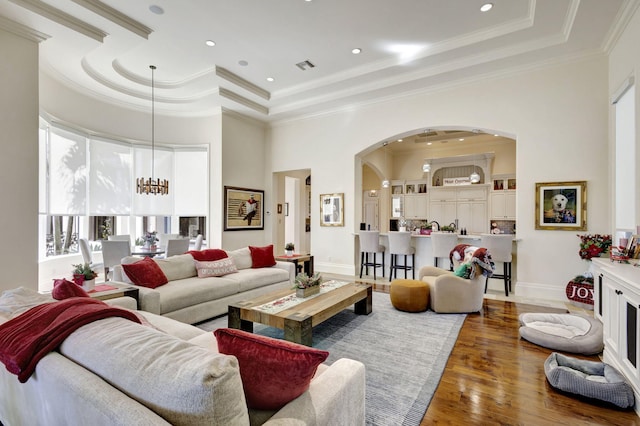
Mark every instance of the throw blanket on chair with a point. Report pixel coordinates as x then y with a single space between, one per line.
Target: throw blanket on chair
27 338
475 260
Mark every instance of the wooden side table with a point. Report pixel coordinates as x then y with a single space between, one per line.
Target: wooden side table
118 292
302 261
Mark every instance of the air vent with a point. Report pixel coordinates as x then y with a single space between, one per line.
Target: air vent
304 65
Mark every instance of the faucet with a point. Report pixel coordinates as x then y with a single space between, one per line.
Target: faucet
437 224
454 226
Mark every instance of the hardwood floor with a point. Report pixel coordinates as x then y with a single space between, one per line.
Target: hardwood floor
494 377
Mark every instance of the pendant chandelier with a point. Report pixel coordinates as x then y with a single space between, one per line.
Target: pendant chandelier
152 185
474 177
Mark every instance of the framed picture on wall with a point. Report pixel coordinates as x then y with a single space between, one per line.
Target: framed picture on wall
243 208
561 206
332 209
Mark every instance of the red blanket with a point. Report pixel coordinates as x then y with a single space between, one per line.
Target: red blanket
27 338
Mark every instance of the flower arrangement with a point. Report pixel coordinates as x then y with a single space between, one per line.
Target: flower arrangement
82 272
289 247
591 245
305 281
150 238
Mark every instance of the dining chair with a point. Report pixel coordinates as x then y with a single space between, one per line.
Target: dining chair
400 244
441 245
176 246
112 253
198 244
163 238
120 237
500 246
370 244
87 255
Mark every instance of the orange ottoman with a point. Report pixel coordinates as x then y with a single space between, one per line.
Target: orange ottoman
409 295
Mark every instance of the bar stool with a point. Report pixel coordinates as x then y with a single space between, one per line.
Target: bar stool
370 243
500 247
400 244
441 245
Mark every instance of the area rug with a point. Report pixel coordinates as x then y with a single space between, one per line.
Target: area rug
404 354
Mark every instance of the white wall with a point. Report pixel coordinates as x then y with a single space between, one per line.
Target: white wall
624 62
557 114
244 164
19 161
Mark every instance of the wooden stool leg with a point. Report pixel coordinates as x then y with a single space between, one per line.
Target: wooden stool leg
361 263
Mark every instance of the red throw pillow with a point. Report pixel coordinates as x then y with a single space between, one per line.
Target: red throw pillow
273 371
208 255
262 257
145 273
63 289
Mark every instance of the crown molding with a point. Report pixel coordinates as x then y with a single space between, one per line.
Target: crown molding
241 82
162 84
62 18
625 14
228 94
116 17
22 30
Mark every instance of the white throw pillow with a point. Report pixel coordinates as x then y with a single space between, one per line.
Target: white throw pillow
242 257
216 268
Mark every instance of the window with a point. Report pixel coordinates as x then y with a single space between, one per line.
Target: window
87 189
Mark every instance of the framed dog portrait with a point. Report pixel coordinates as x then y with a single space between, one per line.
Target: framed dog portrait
243 208
561 206
332 209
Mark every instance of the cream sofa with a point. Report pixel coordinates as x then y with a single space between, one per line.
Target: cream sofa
117 372
190 299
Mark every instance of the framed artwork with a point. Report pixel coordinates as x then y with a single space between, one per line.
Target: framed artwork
410 188
396 189
633 248
422 188
332 209
561 206
243 208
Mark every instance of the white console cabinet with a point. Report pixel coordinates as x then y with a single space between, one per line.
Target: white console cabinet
617 305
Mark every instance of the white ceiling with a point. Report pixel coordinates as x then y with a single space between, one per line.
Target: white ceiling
104 48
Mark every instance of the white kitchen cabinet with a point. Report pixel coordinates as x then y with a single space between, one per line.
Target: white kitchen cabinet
416 206
616 303
472 216
503 205
467 204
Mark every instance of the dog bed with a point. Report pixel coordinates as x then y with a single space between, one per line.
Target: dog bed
574 333
590 379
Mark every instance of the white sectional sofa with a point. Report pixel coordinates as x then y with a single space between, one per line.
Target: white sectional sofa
190 299
117 372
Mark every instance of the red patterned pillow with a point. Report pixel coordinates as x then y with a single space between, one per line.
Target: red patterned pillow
145 273
208 255
262 257
63 289
273 371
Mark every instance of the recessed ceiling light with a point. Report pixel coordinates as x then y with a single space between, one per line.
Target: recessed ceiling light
399 140
243 63
486 7
356 51
270 79
210 43
429 143
461 139
156 9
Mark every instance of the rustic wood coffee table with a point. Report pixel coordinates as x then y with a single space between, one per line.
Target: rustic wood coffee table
298 321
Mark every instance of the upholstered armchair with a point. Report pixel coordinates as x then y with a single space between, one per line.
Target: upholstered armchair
449 293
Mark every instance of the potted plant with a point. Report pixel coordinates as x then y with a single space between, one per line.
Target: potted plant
307 285
84 276
426 229
448 228
289 248
150 240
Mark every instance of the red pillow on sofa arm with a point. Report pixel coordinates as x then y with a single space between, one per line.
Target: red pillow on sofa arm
273 371
145 273
63 289
262 257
